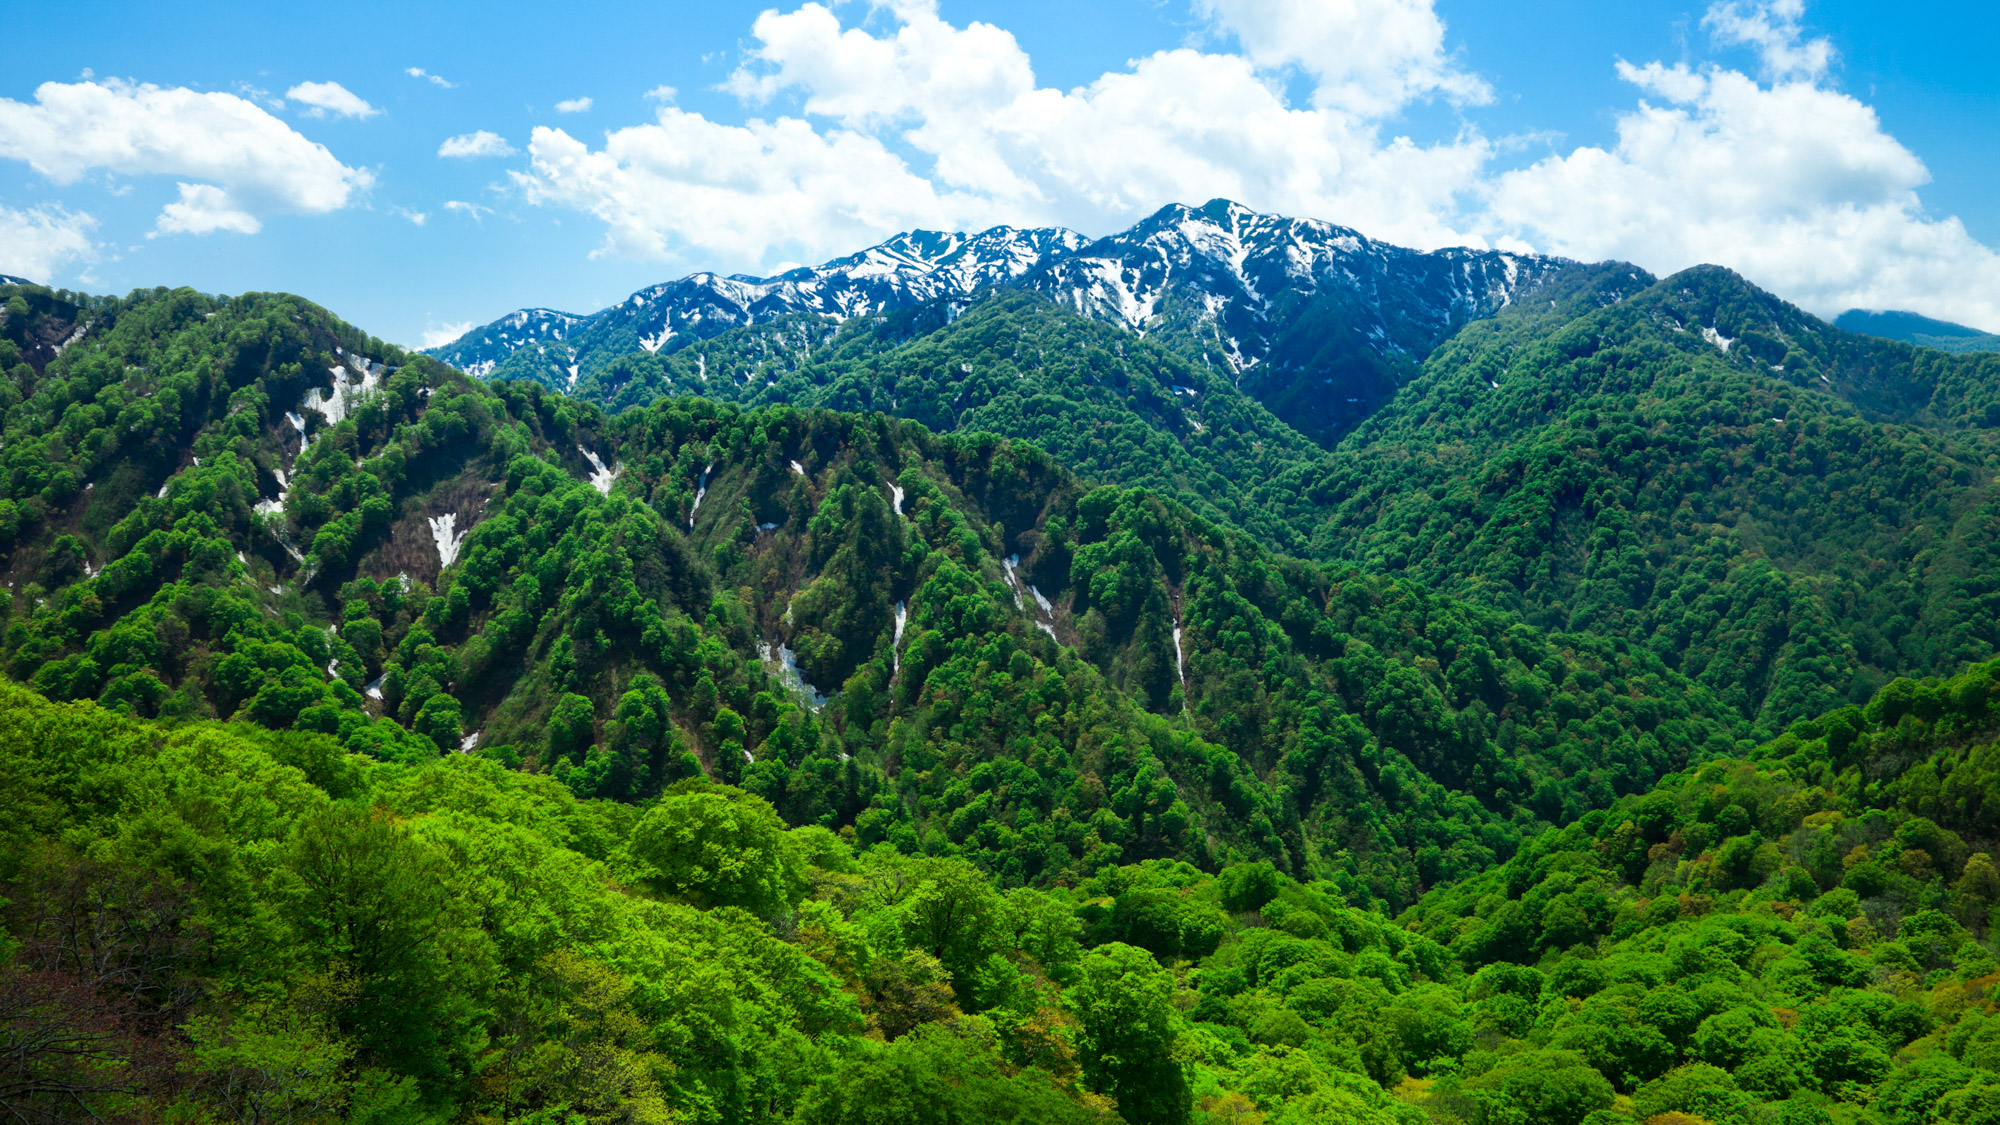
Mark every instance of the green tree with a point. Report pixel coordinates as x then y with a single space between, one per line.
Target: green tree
719 846
1127 1035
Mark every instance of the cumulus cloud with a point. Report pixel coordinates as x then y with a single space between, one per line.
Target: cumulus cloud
204 209
475 144
323 98
574 105
902 119
1795 184
39 242
1367 56
420 72
1773 28
994 146
237 160
439 337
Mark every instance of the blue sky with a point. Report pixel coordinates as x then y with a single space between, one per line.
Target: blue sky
1838 152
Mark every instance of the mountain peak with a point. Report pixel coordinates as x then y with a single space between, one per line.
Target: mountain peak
1222 274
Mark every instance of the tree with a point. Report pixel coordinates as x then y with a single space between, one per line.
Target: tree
1124 1004
720 847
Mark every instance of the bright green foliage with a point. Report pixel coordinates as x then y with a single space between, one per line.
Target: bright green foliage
1124 1003
285 931
716 847
1035 719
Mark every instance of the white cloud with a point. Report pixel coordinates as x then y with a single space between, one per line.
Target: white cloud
1367 56
1773 28
38 242
574 105
420 72
995 147
905 120
417 218
480 143
330 97
250 162
472 211
439 337
204 209
1794 184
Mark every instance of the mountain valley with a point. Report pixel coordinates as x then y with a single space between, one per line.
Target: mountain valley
1233 670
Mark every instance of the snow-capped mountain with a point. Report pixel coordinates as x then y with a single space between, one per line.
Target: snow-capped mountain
907 270
1292 306
479 351
1249 276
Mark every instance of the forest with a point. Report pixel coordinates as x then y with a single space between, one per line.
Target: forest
995 717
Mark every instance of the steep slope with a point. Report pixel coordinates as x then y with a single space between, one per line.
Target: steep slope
1315 320
1320 322
245 508
1107 404
1783 511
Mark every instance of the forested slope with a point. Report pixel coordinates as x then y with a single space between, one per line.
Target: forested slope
243 508
224 922
1784 512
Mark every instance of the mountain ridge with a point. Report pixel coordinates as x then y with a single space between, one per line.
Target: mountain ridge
1219 280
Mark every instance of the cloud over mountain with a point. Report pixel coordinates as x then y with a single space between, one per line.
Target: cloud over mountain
902 119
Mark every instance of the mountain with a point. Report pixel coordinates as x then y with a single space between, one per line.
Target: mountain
245 508
907 270
1912 328
383 744
1786 512
1324 320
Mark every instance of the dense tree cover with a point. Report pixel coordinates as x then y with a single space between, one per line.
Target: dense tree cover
946 643
1770 517
1107 404
1788 514
224 922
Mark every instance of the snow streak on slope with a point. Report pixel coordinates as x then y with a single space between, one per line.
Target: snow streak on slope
1220 269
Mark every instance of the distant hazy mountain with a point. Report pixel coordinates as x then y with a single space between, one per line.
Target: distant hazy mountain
1317 320
1912 328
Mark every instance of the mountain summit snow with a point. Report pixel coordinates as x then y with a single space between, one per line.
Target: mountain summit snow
1246 286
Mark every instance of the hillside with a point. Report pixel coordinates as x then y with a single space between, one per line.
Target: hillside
1797 513
275 926
1911 328
245 508
827 741
1785 512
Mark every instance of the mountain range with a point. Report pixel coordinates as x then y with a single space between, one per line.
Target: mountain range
1264 297
1229 671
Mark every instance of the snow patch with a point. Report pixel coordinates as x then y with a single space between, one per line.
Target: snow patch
788 674
349 391
700 490
601 478
448 539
